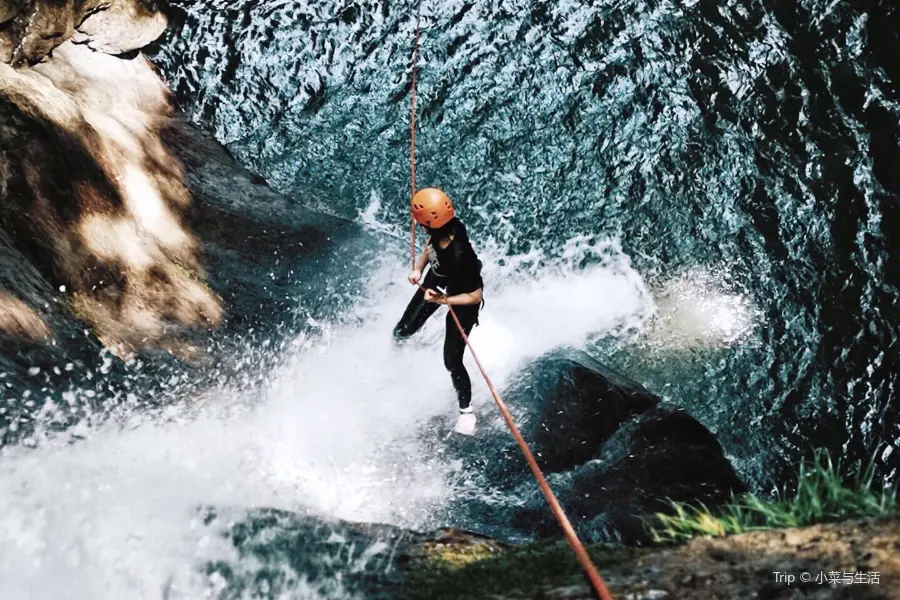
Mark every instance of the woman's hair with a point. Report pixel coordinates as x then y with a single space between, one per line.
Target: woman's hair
444 231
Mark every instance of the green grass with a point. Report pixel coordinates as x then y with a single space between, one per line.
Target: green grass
824 494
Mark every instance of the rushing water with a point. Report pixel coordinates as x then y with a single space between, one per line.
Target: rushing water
700 193
744 153
335 432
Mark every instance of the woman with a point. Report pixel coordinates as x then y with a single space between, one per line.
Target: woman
455 268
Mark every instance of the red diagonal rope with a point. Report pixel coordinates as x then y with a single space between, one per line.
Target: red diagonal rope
571 537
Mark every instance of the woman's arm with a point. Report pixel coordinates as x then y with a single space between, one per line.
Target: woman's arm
416 274
462 299
423 259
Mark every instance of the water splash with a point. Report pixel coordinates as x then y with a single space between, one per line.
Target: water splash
336 431
698 310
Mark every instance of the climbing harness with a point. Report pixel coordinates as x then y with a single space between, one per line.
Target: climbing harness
571 537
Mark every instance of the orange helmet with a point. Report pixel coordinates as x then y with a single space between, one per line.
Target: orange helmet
432 208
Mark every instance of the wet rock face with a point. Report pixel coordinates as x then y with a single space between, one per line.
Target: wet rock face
31 29
576 404
125 26
91 195
660 455
285 549
287 554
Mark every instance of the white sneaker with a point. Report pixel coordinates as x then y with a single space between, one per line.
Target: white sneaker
465 423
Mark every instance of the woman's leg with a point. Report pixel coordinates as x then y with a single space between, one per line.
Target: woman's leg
416 313
455 348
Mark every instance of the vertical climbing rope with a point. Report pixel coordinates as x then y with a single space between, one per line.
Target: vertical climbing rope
412 149
584 560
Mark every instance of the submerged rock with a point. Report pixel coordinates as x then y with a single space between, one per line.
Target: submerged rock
283 554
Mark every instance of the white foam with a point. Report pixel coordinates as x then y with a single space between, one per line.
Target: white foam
334 407
113 517
337 431
698 309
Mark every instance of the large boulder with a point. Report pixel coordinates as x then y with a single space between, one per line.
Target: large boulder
570 403
614 452
660 456
566 404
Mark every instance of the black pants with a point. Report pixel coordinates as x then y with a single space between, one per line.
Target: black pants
414 317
